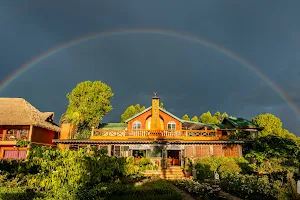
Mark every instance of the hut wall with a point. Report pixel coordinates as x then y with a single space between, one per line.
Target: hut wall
43 136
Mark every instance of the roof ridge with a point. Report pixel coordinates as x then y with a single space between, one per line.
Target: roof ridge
134 116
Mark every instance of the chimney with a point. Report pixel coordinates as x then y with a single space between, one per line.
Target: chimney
155 113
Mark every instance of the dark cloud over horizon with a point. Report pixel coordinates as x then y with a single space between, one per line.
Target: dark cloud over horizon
188 76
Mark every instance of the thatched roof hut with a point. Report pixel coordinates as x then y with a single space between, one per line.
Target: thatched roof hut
17 111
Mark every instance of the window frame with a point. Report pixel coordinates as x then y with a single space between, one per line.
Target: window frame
171 123
135 124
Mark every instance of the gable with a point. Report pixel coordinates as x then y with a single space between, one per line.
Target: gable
161 110
146 115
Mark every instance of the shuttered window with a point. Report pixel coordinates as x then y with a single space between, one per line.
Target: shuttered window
188 151
14 154
217 151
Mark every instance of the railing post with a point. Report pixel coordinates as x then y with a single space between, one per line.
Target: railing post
92 131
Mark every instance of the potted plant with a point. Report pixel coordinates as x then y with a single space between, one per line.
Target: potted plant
187 172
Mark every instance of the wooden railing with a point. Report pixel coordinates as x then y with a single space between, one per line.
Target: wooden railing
157 133
15 135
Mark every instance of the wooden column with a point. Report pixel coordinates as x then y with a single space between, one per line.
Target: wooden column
30 133
4 134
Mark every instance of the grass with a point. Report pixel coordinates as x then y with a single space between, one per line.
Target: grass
152 190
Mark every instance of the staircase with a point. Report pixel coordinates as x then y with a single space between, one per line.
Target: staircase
172 172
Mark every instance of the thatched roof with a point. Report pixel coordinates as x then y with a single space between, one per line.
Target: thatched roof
17 111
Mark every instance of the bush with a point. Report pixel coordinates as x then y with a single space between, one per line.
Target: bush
255 187
225 166
202 190
135 167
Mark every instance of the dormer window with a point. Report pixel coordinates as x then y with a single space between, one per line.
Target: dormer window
171 125
136 125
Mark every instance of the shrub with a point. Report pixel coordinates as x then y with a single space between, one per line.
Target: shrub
202 190
225 166
255 187
135 167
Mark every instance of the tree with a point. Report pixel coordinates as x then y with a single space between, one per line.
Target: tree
272 125
131 111
274 153
217 115
89 102
195 119
208 118
223 116
185 117
161 105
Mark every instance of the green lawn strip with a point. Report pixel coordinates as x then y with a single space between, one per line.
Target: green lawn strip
152 190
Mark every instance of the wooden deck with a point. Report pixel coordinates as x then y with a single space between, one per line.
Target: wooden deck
101 134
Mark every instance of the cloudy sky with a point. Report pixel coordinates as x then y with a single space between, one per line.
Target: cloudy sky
190 69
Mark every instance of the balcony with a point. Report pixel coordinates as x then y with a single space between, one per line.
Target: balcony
102 134
11 136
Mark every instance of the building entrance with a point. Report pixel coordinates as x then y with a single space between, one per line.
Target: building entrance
173 157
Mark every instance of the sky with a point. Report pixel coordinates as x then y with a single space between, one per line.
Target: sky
190 69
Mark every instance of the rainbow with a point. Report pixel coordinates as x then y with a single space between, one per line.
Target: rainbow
27 66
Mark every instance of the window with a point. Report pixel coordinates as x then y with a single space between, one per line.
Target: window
171 126
121 151
136 125
17 134
14 154
139 153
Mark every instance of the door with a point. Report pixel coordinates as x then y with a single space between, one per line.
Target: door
173 157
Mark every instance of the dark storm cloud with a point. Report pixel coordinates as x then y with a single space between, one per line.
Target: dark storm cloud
189 77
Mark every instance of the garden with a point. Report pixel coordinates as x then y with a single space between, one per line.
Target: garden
267 171
85 174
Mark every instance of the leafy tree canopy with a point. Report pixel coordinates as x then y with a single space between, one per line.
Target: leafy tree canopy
161 105
88 103
276 149
195 119
272 126
208 118
217 118
131 111
185 117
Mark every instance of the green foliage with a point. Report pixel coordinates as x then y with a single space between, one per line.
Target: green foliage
185 117
275 154
131 111
161 105
272 126
208 118
225 166
88 103
217 118
135 167
195 119
22 143
196 189
150 190
255 187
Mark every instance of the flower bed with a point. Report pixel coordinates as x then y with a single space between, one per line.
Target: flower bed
199 190
254 187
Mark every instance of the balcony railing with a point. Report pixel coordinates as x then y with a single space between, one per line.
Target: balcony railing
15 135
155 133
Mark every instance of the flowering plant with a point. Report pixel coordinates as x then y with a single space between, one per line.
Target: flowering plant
202 190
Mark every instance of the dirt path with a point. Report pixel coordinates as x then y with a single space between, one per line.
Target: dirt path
228 196
185 196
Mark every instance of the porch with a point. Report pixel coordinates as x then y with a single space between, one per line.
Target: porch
104 134
11 134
